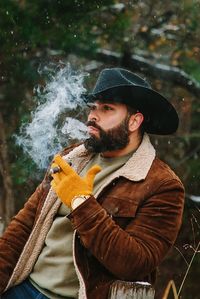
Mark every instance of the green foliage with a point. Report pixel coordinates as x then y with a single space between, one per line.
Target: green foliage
22 168
54 24
192 67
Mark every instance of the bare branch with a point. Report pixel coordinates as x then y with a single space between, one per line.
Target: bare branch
145 66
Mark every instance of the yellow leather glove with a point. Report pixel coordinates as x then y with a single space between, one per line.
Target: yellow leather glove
67 183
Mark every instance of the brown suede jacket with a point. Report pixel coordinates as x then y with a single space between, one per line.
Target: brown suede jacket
121 233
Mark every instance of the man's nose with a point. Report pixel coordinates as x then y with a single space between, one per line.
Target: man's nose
93 115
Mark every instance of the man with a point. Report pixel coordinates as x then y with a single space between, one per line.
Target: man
123 205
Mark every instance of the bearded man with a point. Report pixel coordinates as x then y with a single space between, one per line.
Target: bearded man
112 210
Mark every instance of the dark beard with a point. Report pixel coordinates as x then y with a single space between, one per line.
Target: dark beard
111 140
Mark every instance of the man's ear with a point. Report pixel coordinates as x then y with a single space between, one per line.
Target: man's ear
135 121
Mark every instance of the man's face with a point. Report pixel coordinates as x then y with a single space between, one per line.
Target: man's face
107 127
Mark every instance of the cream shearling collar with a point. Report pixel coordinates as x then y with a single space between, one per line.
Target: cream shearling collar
135 169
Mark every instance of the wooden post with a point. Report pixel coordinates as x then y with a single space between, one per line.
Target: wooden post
131 290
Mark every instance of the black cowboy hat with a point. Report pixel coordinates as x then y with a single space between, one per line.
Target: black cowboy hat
121 85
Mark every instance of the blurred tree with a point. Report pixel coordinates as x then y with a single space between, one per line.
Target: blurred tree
32 32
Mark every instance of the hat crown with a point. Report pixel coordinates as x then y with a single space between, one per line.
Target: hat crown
115 77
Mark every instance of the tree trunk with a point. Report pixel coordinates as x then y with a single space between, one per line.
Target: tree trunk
7 208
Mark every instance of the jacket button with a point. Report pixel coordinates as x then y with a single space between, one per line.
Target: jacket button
116 209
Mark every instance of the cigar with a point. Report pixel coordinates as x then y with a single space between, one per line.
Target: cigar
54 170
57 169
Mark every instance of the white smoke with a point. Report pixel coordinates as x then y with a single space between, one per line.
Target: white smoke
56 121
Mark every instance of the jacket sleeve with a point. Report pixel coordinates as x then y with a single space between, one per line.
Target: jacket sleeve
14 238
18 231
133 252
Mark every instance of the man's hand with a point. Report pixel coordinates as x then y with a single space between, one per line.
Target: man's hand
67 183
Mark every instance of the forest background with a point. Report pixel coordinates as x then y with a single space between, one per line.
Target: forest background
158 40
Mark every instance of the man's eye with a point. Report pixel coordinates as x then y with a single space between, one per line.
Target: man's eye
107 107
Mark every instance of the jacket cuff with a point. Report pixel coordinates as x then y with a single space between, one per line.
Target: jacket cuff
85 211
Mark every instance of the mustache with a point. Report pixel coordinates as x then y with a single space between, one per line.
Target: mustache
93 124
